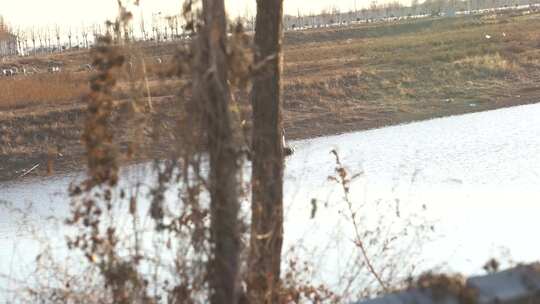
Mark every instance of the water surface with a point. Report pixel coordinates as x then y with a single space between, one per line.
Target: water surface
471 181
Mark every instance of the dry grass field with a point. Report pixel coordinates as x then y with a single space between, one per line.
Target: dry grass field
40 89
414 70
336 80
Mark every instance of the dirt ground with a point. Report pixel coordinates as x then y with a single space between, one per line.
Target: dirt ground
63 128
336 81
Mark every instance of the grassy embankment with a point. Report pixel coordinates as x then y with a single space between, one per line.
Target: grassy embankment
383 74
336 80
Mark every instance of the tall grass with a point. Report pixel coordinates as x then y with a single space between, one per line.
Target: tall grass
42 89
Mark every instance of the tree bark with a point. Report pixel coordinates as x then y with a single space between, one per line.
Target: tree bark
224 167
268 164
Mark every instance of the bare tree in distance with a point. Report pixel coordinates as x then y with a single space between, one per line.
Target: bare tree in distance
48 37
84 34
57 34
165 33
41 38
70 35
77 37
21 38
96 32
142 27
33 38
170 24
177 26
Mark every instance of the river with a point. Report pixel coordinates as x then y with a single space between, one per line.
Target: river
447 194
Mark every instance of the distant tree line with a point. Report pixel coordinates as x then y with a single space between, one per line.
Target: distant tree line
394 10
36 40
164 28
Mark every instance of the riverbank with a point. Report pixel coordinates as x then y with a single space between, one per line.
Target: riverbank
53 144
336 80
465 186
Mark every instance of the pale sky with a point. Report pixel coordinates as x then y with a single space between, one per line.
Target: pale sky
78 12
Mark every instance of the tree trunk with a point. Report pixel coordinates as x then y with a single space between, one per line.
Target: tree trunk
224 167
267 147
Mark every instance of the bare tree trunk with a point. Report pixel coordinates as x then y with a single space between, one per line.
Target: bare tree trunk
224 167
267 175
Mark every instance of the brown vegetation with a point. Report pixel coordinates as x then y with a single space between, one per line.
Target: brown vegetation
42 90
204 124
335 80
93 200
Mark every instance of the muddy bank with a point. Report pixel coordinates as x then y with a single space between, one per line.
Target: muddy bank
50 138
335 81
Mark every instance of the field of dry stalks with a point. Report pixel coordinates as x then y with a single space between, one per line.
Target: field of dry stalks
336 80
